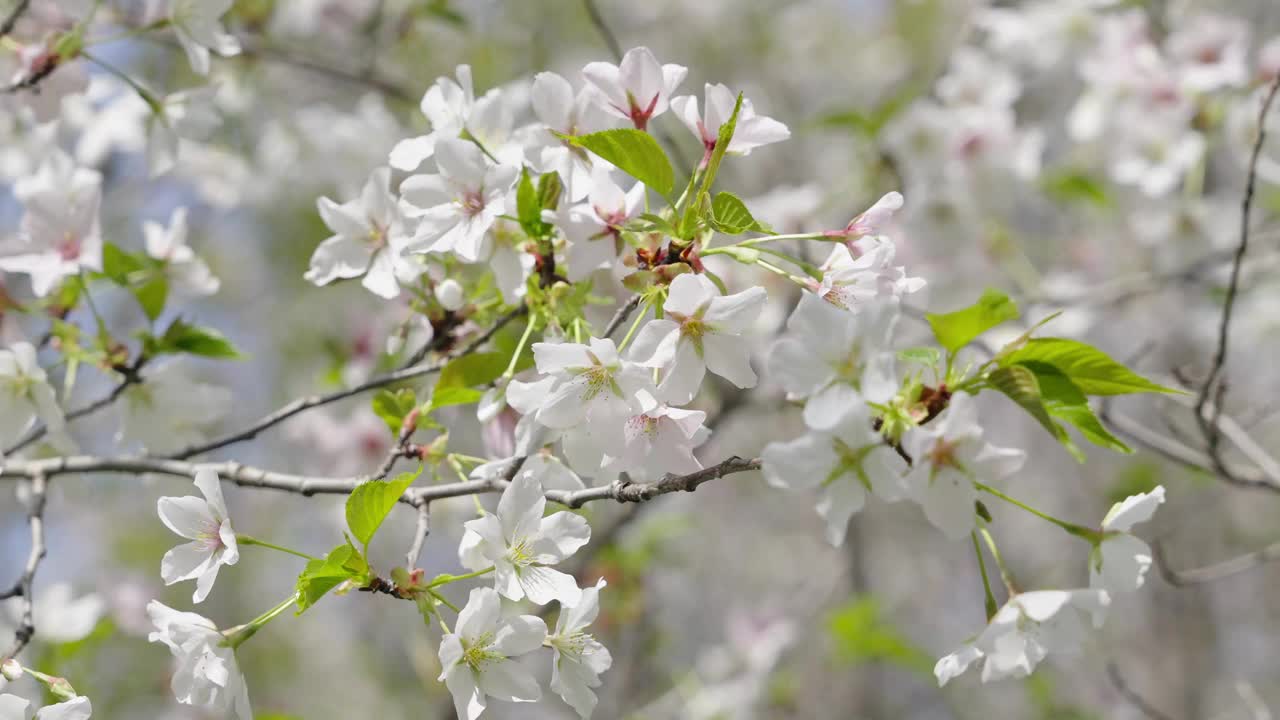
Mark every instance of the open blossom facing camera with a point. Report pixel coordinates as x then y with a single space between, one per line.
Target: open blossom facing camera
702 331
521 545
750 132
60 234
207 525
578 659
25 394
1023 632
844 463
1120 561
950 456
187 274
593 230
369 239
456 208
660 441
638 89
13 707
478 656
207 675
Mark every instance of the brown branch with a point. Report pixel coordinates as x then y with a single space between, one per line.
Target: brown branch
419 534
1212 389
11 20
1217 571
624 491
1117 681
306 403
621 316
22 588
132 376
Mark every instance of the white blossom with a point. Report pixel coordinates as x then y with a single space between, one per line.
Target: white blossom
207 525
187 114
561 111
949 456
199 29
522 545
187 274
638 89
702 330
60 233
851 280
750 132
593 230
168 409
61 617
477 655
25 394
207 675
13 707
1120 561
660 441
369 239
457 207
577 657
1023 632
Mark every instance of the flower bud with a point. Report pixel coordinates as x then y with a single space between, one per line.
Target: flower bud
61 689
450 295
11 669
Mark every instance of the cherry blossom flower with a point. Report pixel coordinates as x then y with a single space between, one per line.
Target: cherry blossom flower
702 331
188 275
477 656
550 472
578 658
13 707
207 674
593 230
1210 52
1155 155
561 111
207 525
750 132
950 456
62 618
199 30
187 114
457 207
638 89
845 463
1119 563
25 394
592 385
1023 632
522 545
871 221
168 409
369 239
60 232
660 441
852 280
835 358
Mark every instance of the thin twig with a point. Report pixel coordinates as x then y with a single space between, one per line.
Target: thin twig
602 27
1117 680
306 403
419 534
1217 571
1213 388
23 587
621 316
628 492
11 20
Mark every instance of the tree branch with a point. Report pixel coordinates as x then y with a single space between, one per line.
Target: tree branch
132 376
306 403
621 315
1117 681
22 588
1217 571
11 20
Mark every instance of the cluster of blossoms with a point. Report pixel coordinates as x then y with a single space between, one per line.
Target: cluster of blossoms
530 199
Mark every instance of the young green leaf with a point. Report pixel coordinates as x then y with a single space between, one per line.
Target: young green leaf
392 407
730 216
324 574
473 370
182 337
117 264
633 152
152 295
744 255
927 356
1019 384
1065 401
529 207
371 502
1090 369
956 329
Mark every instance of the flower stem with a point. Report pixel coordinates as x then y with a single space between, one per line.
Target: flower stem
772 238
237 636
989 600
802 282
634 326
515 356
1005 577
1089 534
455 578
246 540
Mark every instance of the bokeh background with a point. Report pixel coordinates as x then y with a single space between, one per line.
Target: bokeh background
726 603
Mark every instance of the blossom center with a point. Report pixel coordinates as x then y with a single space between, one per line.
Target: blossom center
477 654
472 202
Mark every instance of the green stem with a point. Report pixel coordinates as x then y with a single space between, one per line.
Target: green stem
246 540
237 636
515 356
455 578
989 600
1005 577
802 282
634 326
810 269
147 96
752 242
1087 533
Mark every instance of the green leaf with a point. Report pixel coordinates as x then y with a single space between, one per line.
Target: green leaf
863 635
392 407
1065 401
956 329
634 152
656 222
550 187
371 502
182 337
324 574
473 370
924 355
152 294
731 216
744 255
529 207
1019 384
700 203
1071 186
117 264
1092 370
444 397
